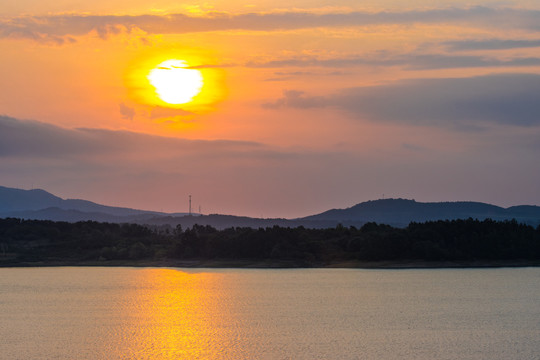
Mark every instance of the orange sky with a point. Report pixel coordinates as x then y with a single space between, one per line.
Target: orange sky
307 106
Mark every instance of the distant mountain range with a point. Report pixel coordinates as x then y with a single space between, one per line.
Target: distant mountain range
401 211
41 205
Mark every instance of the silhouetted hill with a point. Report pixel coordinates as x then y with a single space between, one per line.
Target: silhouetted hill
400 212
72 215
525 210
18 200
227 221
41 205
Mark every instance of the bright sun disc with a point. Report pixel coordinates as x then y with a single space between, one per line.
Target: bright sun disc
174 83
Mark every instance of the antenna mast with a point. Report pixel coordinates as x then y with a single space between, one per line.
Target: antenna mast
189 205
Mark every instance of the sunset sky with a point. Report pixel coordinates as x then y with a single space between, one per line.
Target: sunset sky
304 105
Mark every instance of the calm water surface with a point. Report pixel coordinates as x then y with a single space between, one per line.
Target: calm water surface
130 313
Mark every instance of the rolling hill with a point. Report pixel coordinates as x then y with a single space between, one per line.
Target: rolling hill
42 205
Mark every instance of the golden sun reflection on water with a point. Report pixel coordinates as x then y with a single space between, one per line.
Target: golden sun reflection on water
174 315
143 313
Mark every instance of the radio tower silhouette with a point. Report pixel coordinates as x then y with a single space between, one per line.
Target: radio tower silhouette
189 205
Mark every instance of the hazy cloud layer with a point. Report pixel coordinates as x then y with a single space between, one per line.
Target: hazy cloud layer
27 138
408 61
510 99
490 44
155 172
32 138
129 168
61 28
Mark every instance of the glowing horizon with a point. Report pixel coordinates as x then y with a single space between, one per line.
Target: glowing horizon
303 106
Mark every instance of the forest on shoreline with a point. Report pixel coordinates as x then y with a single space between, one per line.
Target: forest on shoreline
27 242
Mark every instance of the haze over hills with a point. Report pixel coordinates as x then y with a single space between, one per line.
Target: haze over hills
401 211
42 205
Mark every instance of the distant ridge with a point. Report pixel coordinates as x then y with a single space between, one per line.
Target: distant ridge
402 211
18 199
41 205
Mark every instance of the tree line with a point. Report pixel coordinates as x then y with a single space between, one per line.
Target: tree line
27 241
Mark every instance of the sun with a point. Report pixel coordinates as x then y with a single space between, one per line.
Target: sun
188 80
174 83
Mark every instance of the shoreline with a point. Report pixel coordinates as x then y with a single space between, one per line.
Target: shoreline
280 264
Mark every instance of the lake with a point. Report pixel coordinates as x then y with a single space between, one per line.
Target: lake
158 313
